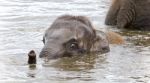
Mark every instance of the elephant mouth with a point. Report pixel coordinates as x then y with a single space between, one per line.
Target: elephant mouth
105 50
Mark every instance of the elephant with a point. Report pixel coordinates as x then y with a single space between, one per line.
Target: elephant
129 14
73 36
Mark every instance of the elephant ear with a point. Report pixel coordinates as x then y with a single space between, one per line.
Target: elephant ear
100 41
111 17
126 14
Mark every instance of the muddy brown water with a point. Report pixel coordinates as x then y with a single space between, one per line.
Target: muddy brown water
22 24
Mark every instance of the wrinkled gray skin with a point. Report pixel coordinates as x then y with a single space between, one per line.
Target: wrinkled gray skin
72 36
129 14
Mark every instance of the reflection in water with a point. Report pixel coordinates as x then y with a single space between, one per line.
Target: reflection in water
32 69
22 24
77 67
76 63
139 38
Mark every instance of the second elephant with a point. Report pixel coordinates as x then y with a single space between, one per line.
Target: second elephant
129 14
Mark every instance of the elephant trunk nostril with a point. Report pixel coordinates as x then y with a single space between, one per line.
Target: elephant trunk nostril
82 51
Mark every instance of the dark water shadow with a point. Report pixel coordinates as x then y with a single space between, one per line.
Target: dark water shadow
135 37
138 38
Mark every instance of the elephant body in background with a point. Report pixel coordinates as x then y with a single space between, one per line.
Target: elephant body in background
129 14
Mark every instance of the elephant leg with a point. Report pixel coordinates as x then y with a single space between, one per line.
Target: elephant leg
126 14
111 17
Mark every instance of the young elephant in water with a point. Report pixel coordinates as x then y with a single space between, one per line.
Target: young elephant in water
130 14
72 35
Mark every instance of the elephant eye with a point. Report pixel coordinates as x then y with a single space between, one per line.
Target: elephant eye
73 46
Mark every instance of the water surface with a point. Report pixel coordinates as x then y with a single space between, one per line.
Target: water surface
22 25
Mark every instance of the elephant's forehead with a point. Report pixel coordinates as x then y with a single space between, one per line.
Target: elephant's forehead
64 34
60 33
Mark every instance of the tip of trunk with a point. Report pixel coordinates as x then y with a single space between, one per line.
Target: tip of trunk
32 57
